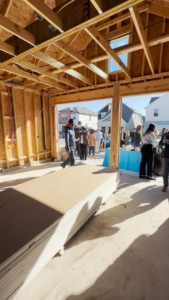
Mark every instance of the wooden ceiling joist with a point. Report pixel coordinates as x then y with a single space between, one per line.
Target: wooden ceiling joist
99 39
7 48
35 68
44 11
57 64
140 30
17 30
98 5
77 56
33 77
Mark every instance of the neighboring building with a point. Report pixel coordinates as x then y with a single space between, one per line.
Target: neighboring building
157 112
86 116
130 118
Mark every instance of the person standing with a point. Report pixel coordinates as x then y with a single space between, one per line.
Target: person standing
92 143
138 136
165 142
127 138
98 139
122 137
69 144
1 171
79 125
132 135
83 140
149 141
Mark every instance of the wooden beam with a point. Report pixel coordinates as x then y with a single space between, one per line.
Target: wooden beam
113 11
17 30
98 5
9 77
149 87
24 74
44 11
99 39
57 64
161 11
115 127
77 56
119 32
7 48
140 30
40 70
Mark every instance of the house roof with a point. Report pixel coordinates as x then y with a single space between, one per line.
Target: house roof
84 111
153 99
126 114
67 108
80 110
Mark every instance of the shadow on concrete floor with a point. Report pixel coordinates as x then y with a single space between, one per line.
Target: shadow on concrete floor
8 184
140 273
32 168
108 219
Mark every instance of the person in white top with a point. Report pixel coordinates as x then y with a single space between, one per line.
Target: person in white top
149 142
99 136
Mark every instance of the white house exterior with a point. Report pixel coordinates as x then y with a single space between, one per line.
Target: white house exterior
86 116
130 118
157 112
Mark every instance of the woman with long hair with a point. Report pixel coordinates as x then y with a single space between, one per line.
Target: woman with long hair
149 141
138 136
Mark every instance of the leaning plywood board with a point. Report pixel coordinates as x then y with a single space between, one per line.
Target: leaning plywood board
40 216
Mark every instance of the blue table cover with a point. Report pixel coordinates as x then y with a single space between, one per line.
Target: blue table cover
129 160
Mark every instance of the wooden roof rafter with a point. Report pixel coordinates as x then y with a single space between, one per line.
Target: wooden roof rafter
34 68
99 39
33 77
57 64
98 5
139 27
77 56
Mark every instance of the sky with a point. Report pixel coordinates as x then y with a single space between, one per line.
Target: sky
137 103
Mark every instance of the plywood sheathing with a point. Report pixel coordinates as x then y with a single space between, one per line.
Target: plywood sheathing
18 102
165 60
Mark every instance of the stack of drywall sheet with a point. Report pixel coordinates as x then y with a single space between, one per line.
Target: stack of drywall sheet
38 217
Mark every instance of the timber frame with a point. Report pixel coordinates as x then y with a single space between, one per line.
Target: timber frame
67 57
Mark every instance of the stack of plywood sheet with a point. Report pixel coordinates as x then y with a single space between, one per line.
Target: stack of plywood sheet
38 217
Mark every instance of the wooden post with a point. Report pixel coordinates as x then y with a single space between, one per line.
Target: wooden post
115 128
56 141
36 127
51 116
27 126
4 129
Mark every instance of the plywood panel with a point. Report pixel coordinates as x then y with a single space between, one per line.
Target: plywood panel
47 122
39 123
29 111
18 100
165 60
2 138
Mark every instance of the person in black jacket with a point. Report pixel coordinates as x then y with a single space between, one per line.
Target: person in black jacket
69 144
122 137
165 142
